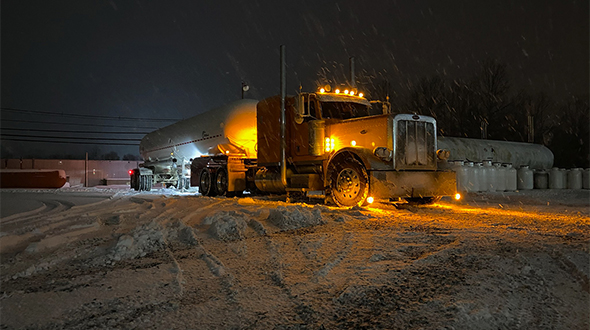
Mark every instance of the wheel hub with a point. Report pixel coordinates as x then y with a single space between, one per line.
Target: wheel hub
348 183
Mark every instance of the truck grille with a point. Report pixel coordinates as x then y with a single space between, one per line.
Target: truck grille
415 142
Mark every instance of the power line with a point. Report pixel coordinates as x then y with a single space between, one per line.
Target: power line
65 131
74 142
75 124
84 116
60 137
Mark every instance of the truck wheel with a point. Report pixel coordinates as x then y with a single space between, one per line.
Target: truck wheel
145 183
422 200
221 182
148 183
134 181
348 183
206 183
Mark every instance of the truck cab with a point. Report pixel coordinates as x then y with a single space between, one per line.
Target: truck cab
335 146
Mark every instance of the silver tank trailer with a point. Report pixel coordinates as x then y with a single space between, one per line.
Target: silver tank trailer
230 128
518 153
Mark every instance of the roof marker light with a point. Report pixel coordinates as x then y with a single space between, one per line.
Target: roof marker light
360 94
337 91
351 93
346 91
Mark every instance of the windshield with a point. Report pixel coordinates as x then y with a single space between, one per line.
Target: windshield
343 110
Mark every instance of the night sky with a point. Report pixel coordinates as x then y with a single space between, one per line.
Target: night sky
175 59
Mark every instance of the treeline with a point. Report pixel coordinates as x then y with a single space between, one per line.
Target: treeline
486 106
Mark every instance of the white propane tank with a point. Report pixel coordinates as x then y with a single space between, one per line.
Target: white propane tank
481 178
525 178
586 179
510 177
556 179
473 180
461 174
490 174
541 179
574 178
500 177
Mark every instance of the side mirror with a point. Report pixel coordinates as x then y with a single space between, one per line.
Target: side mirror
299 109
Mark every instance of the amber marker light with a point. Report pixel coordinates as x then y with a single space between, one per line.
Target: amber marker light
361 94
457 196
346 91
337 91
370 200
322 90
353 143
351 93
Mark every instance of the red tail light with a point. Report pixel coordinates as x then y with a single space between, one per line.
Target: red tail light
130 172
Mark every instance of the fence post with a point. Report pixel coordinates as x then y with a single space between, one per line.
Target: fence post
86 171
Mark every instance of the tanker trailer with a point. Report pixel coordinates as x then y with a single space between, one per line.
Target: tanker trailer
169 151
518 153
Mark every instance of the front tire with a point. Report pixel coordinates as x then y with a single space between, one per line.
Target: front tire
348 182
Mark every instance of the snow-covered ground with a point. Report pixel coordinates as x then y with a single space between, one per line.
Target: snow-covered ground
114 258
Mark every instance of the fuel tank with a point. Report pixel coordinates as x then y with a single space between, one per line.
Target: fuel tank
518 153
231 127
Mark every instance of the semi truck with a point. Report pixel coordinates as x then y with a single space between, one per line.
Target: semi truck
322 144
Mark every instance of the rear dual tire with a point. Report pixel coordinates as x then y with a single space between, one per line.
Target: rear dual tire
213 182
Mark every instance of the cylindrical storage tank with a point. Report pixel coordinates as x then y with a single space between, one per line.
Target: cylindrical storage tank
574 178
473 180
500 177
462 175
490 173
586 178
541 179
556 179
233 125
525 178
481 178
510 177
516 153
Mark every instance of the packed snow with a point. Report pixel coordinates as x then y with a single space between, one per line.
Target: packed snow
173 259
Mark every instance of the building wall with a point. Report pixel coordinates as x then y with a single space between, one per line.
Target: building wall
98 170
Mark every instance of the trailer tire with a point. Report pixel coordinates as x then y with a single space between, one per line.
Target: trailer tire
348 182
134 181
206 187
141 183
145 183
221 182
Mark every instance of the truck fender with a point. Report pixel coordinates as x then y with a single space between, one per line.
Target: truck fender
365 156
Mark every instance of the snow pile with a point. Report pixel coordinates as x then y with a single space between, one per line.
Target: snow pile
152 237
143 240
227 225
294 217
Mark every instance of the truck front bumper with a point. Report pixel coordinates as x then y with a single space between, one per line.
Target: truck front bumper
393 184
